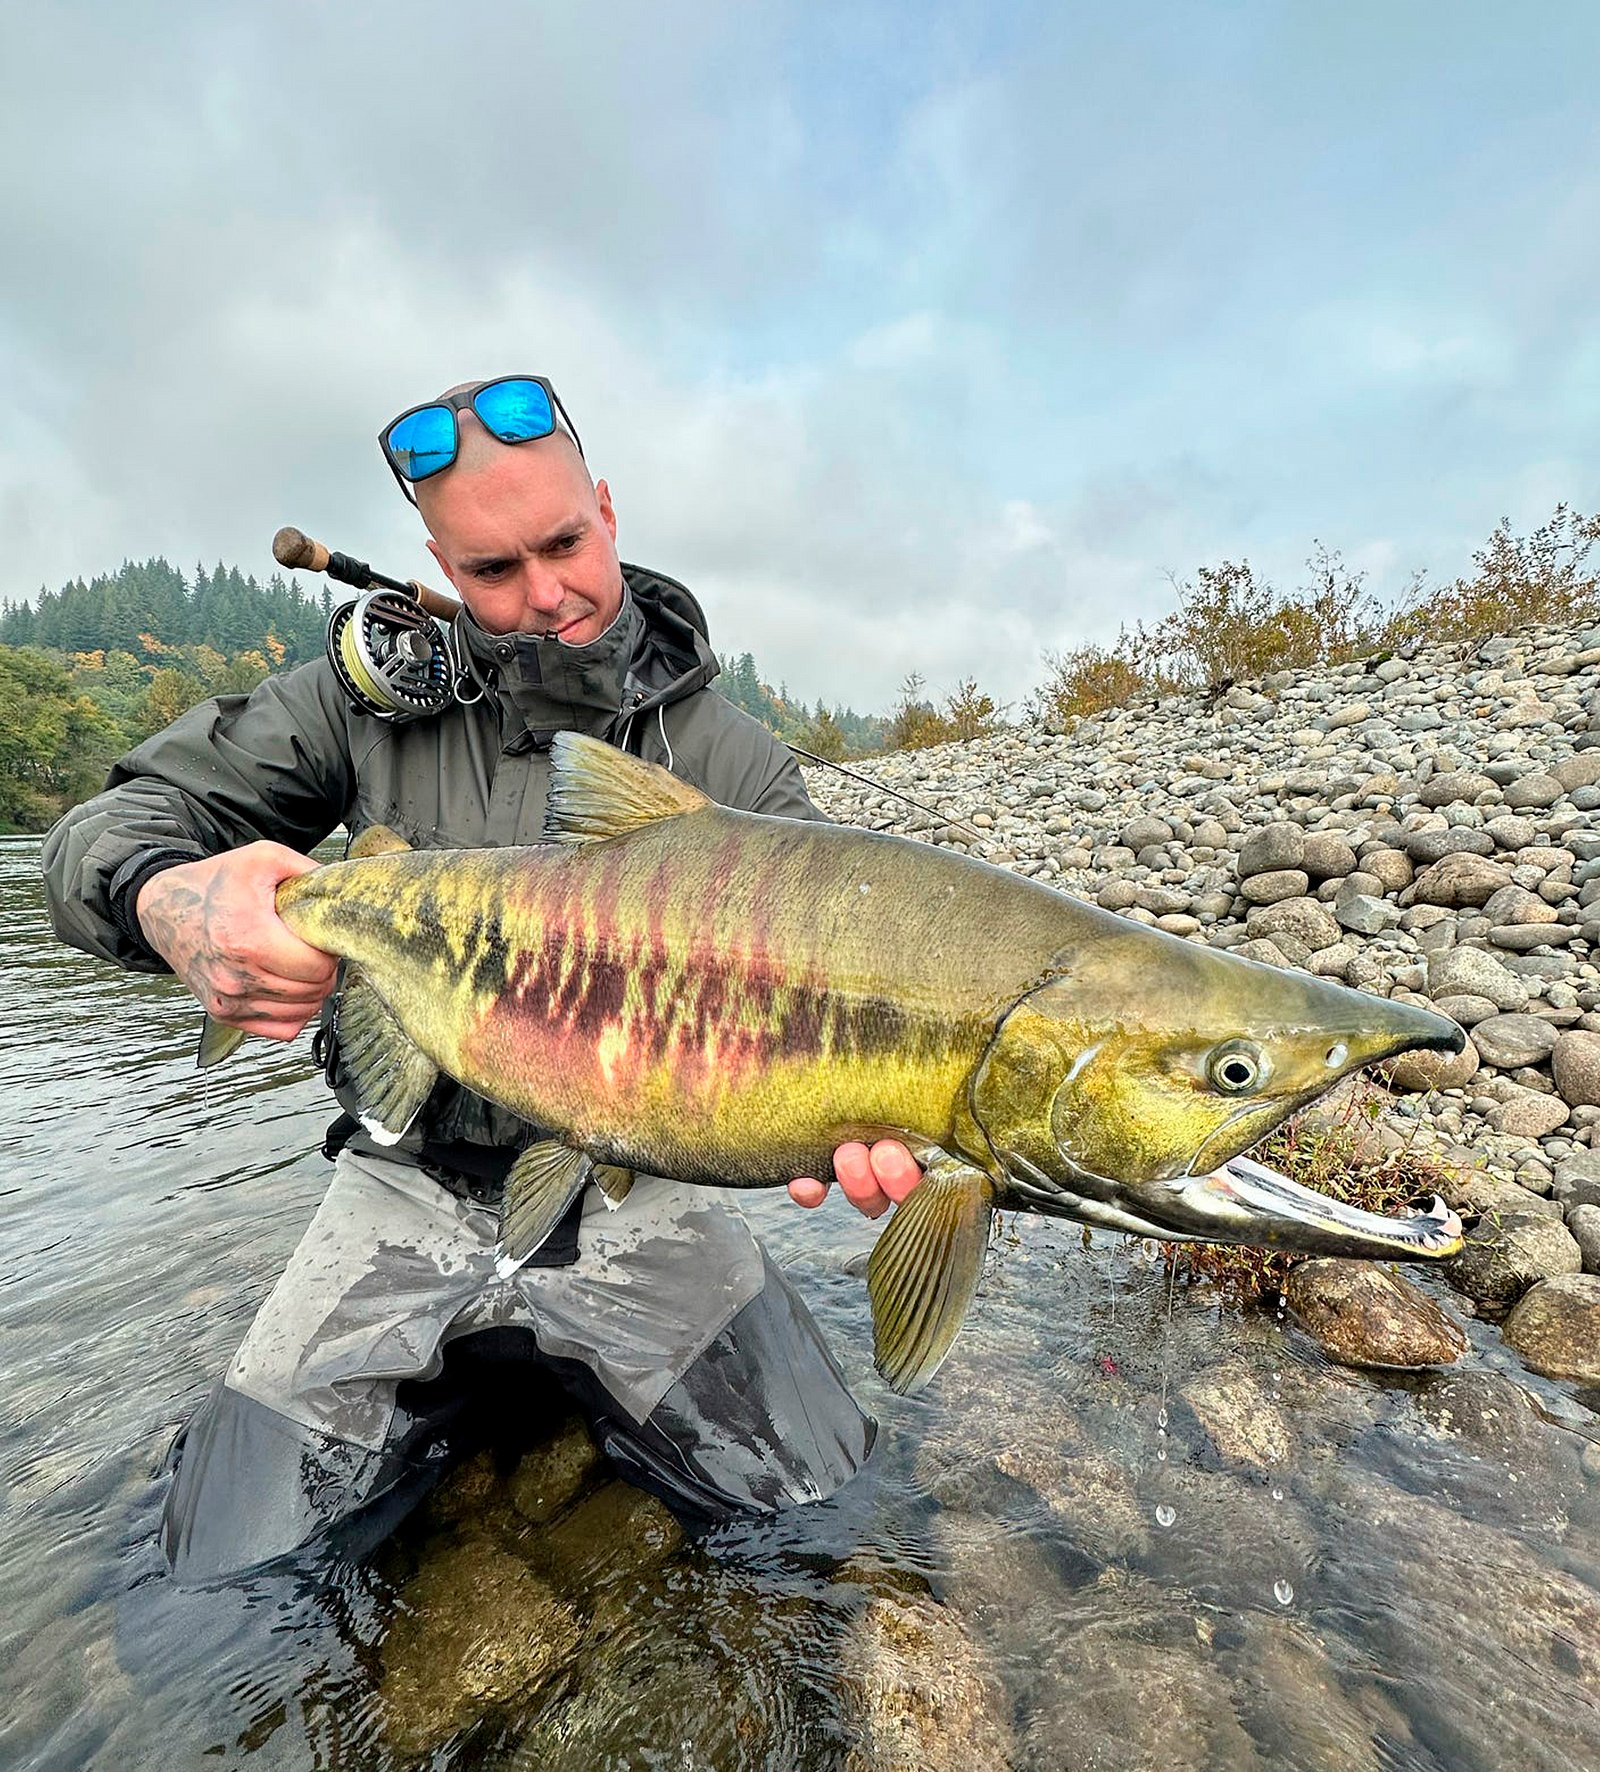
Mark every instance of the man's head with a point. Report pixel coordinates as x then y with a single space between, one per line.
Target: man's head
524 535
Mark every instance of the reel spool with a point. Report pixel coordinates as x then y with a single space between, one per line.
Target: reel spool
391 657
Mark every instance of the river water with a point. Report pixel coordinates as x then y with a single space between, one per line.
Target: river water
1127 1526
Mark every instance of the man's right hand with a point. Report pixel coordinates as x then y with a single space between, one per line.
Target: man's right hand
216 924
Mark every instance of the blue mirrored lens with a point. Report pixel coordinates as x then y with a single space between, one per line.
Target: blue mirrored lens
424 442
514 411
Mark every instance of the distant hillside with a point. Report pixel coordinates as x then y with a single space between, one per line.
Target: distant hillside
89 670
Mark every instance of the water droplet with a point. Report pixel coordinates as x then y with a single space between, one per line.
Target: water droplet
1282 1592
1165 1515
1161 1453
1277 1495
865 887
1161 1418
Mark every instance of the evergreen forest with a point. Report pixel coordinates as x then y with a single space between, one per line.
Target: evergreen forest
89 670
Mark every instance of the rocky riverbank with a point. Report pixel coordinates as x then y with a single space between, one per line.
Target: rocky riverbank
1423 826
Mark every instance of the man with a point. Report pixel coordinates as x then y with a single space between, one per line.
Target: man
700 1370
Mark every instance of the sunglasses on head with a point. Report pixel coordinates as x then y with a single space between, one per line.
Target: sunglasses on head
425 440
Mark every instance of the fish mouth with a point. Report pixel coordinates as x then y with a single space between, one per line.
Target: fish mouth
1245 1202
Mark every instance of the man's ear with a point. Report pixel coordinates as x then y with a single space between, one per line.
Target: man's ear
444 564
602 497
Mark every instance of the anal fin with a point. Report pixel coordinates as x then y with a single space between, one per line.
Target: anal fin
542 1184
392 1077
217 1042
924 1270
614 1184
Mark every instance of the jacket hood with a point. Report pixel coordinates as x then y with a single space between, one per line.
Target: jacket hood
656 651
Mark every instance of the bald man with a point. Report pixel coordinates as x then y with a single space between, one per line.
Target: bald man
699 1368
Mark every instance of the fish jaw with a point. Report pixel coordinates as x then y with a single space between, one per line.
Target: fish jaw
1244 1202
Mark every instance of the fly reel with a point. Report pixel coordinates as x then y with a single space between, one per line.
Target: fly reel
391 657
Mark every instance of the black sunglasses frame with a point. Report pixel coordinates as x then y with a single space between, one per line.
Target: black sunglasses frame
461 401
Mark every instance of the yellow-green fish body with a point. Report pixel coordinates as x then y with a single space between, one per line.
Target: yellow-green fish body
686 990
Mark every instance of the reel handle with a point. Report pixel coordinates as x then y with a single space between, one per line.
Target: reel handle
296 550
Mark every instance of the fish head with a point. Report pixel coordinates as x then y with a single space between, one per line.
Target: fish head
1118 1090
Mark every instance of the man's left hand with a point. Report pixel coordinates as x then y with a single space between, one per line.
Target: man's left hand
873 1179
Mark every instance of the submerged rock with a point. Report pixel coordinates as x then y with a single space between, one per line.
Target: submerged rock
1556 1327
922 1694
1242 1420
1361 1314
476 1632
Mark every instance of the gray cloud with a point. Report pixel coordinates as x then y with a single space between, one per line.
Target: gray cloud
912 338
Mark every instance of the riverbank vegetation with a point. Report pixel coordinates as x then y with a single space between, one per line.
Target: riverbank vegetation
89 670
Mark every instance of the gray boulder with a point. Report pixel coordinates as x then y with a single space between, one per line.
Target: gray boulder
1508 1041
1507 1253
1555 1327
1575 1065
1272 849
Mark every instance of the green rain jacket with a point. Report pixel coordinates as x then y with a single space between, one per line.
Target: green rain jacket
293 760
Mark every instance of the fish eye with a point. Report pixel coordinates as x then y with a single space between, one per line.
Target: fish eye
1236 1068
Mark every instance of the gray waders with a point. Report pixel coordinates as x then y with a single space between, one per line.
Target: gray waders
700 1369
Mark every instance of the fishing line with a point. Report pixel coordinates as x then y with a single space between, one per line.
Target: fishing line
956 824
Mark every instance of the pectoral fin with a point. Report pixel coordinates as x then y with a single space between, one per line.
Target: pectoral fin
924 1271
217 1042
392 1077
542 1184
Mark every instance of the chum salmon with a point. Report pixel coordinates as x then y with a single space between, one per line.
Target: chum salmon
670 987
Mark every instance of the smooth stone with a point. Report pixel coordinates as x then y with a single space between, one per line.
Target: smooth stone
1459 880
1575 1065
1584 1224
1555 1327
1426 847
1390 867
1521 938
1466 1010
1507 1041
1515 904
1509 832
1140 833
1509 1252
1451 785
1275 886
1272 849
1475 973
1420 1073
1327 856
1243 1421
1581 770
1528 1114
1361 1314
1365 915
1302 919
1533 793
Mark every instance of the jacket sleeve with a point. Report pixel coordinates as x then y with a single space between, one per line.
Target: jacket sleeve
734 758
275 765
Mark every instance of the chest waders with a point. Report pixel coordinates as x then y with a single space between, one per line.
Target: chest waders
697 1365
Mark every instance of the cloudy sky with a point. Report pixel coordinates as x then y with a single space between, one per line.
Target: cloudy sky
912 336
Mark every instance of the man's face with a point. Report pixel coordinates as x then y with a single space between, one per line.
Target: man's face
528 541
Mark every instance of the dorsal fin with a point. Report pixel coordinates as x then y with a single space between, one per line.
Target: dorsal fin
376 839
597 791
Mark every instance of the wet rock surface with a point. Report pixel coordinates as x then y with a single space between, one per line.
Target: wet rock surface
1362 1314
1556 1327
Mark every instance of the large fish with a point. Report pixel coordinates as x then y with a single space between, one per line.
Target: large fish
679 989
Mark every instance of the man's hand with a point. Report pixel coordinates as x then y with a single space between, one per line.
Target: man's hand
216 924
872 1179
